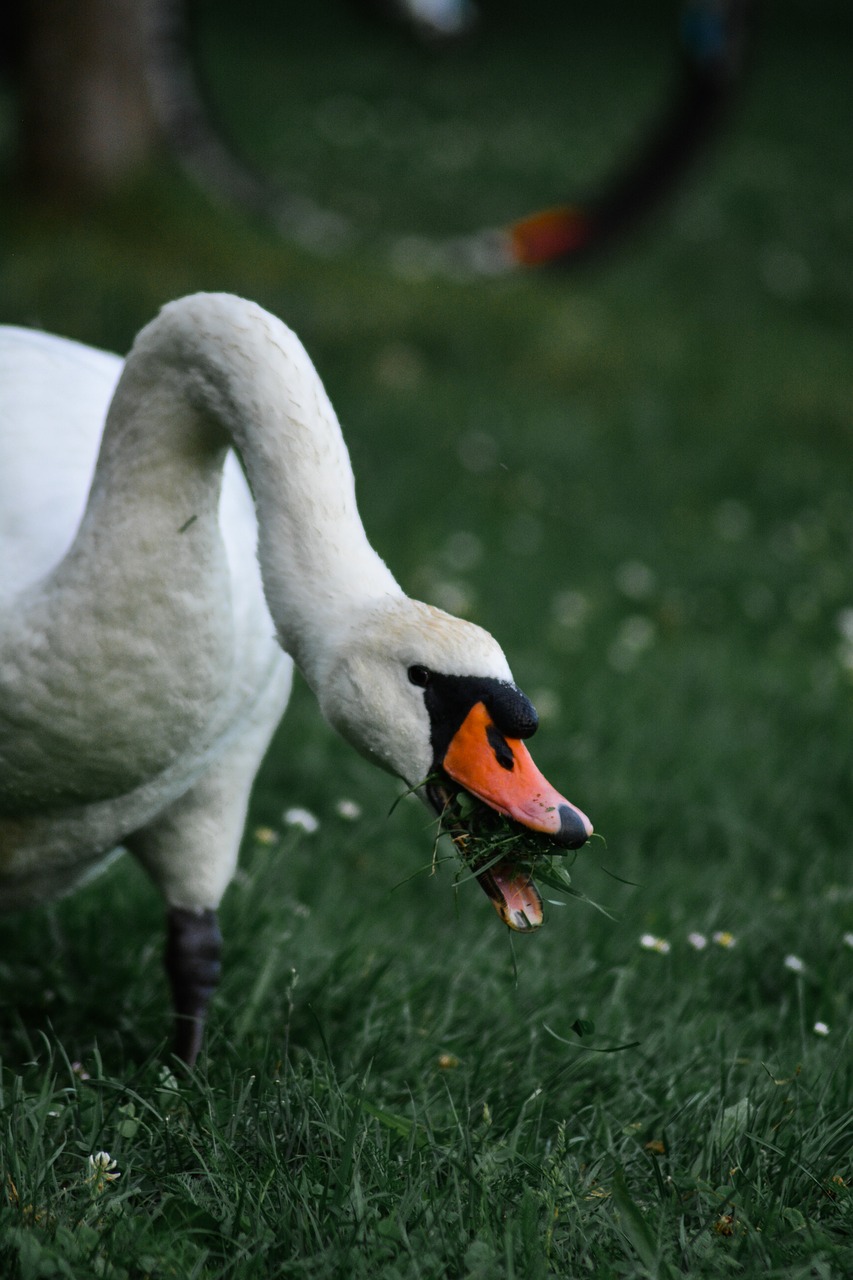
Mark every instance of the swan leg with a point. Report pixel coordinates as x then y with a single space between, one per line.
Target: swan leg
193 965
190 851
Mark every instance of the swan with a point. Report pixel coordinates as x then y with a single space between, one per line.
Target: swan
155 594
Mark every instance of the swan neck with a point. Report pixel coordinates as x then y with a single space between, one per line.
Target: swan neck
247 379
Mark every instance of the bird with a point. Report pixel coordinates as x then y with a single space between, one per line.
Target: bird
177 530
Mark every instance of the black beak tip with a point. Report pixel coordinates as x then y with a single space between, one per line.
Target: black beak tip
573 832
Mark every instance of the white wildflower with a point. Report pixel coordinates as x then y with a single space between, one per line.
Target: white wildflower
821 1029
725 939
698 941
795 964
651 943
166 1079
301 818
102 1169
348 809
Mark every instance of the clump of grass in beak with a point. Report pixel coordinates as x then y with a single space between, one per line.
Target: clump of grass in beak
503 856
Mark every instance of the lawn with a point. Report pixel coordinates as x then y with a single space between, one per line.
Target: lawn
639 475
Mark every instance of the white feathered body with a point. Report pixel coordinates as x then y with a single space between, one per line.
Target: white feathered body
127 670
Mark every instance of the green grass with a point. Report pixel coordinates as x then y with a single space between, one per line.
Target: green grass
639 476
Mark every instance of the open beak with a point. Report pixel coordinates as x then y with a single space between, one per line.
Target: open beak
500 771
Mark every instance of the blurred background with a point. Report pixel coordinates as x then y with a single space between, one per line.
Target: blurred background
635 469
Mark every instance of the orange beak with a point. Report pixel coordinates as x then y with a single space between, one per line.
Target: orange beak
501 772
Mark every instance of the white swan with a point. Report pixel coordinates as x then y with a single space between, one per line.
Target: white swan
144 640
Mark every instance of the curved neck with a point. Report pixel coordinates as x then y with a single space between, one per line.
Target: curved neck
212 371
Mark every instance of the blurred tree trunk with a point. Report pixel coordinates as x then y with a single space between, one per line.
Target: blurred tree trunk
86 116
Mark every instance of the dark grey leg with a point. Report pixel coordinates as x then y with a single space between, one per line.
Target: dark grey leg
193 951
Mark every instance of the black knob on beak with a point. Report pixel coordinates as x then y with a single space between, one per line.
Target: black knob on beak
573 832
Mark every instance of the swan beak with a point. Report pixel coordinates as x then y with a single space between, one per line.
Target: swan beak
501 772
514 896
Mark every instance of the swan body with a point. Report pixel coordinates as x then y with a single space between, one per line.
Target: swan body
120 687
153 601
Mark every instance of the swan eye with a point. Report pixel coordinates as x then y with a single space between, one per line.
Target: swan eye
419 676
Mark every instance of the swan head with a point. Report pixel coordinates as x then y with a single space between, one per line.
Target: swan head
431 698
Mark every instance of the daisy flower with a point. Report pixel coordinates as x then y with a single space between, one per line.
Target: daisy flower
303 818
650 943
